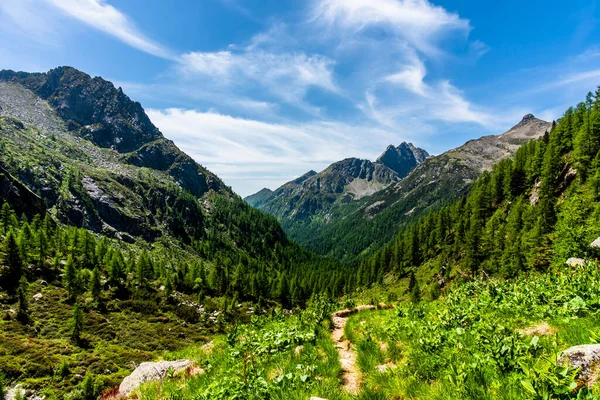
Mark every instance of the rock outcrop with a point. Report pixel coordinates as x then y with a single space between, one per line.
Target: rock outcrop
586 358
149 371
575 262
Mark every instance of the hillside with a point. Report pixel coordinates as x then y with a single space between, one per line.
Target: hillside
112 225
364 226
313 197
496 297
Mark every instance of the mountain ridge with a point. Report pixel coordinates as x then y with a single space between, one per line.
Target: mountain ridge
346 180
352 229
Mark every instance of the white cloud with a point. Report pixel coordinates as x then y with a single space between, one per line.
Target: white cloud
104 17
411 77
248 154
418 22
287 76
582 76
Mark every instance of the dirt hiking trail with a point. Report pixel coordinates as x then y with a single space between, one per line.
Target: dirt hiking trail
351 374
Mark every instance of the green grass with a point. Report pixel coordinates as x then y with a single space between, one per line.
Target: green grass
118 339
469 345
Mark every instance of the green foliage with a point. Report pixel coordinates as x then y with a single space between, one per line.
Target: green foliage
2 386
22 296
13 261
528 212
273 357
478 341
76 323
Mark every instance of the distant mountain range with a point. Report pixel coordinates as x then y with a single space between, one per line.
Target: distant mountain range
355 206
314 194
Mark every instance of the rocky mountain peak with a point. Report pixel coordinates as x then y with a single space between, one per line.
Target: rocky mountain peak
528 117
91 107
403 158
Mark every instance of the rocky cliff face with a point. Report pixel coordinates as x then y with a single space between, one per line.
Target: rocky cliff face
78 143
314 194
93 109
402 159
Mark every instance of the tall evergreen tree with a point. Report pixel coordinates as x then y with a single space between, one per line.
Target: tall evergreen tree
22 293
12 260
77 324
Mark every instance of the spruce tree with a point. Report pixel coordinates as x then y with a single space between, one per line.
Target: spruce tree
12 260
77 324
70 279
22 293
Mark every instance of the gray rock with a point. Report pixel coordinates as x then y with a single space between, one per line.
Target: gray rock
586 357
595 244
37 297
149 371
575 262
14 392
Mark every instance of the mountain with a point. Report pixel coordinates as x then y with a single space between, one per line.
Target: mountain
402 159
359 227
258 198
82 150
314 195
111 226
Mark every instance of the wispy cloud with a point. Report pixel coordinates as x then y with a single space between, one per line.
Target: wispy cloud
238 148
287 76
418 22
41 20
106 18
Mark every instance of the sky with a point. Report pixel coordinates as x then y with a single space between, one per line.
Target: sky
262 91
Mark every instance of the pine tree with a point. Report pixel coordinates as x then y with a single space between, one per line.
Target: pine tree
144 271
168 285
12 259
22 293
116 268
25 240
77 324
70 279
42 247
96 288
413 288
283 291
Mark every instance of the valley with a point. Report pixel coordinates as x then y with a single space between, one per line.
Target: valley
470 274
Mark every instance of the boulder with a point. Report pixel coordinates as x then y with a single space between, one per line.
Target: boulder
595 244
149 371
575 262
586 357
37 297
15 392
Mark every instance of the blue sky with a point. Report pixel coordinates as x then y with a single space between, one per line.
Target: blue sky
261 91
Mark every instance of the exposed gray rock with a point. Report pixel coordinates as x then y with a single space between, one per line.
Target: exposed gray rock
595 244
149 371
15 392
586 357
575 262
37 296
19 392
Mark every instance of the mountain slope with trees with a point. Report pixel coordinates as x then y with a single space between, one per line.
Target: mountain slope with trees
358 229
312 199
121 234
